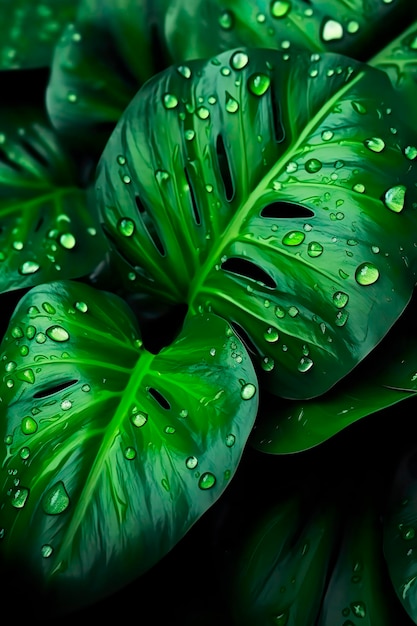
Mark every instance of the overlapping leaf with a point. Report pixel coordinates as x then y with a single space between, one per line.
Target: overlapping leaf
278 192
111 453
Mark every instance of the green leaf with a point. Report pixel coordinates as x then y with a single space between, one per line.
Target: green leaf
30 30
400 533
276 192
384 378
48 228
111 453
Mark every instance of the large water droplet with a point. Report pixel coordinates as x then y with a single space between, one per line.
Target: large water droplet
293 238
305 364
126 227
366 274
169 101
207 480
258 84
394 198
67 241
280 8
129 453
239 60
376 144
29 267
248 391
226 20
66 405
313 165
331 30
314 249
191 462
57 333
138 418
271 335
20 497
28 425
56 499
203 113
340 299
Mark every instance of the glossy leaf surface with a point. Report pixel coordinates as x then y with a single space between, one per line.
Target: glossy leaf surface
383 379
299 228
111 453
48 229
30 29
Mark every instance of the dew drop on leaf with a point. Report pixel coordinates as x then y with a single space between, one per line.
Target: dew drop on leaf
230 440
280 8
16 332
46 551
293 238
359 188
366 274
126 227
352 27
375 144
203 113
24 453
121 159
359 107
27 376
410 152
340 299
40 338
394 198
57 333
314 249
258 84
29 267
169 101
169 430
67 241
138 418
293 311
20 497
207 481
81 306
271 335
358 609
281 619
232 105
313 165
184 70
129 453
248 391
267 364
10 366
305 364
66 405
226 20
331 30
191 462
28 425
126 179
327 135
56 499
189 134
279 312
341 318
239 60
407 533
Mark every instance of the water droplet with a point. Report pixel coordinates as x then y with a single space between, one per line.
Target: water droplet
291 167
10 366
56 499
267 364
40 338
408 533
343 274
239 60
191 462
29 267
226 20
293 238
359 188
86 388
271 335
340 299
394 198
280 8
129 453
313 165
48 308
327 135
126 227
281 619
81 306
376 144
232 105
331 30
341 318
46 551
169 430
126 179
184 70
248 391
366 274
184 413
16 332
258 84
10 383
72 97
230 440
410 152
8 440
66 405
359 107
352 27
212 351
18 245
20 497
203 113
67 241
279 312
57 333
189 134
305 364
169 101
314 249
28 425
27 376
225 71
121 159
313 73
293 311
358 609
207 480
138 418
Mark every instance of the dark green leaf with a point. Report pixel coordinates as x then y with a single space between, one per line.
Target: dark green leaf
111 452
29 31
275 191
48 230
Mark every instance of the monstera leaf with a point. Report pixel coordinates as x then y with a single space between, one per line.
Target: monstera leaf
30 29
111 452
116 45
48 228
376 384
277 192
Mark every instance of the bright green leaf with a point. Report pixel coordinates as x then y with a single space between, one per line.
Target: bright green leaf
48 228
29 31
111 453
276 192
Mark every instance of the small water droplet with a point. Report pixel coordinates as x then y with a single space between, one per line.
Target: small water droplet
191 462
305 364
359 188
29 267
341 318
314 249
40 338
129 453
169 101
212 351
66 405
232 105
248 391
352 27
57 333
184 413
10 366
81 306
258 84
291 167
16 332
20 497
267 364
226 20
410 152
239 60
126 227
67 241
394 198
340 299
138 418
46 551
86 388
359 107
72 97
331 30
293 311
279 312
207 481
27 376
280 8
376 144
313 165
126 179
230 440
293 238
56 499
184 70
327 135
28 425
281 619
121 159
358 609
271 335
169 430
189 134
203 113
407 533
366 274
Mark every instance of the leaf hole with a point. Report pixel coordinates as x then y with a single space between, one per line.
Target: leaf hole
39 224
50 391
248 269
286 210
224 168
149 226
196 212
160 399
244 337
